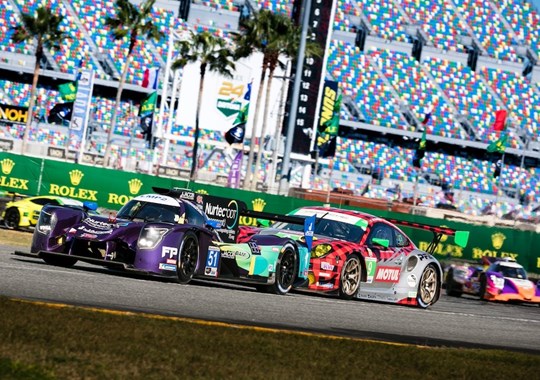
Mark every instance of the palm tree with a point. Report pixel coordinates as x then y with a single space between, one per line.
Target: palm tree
214 55
274 35
44 29
129 22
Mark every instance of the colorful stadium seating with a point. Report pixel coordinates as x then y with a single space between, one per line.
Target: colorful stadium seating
379 81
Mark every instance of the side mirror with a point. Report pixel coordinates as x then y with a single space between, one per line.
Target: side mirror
263 223
90 206
213 224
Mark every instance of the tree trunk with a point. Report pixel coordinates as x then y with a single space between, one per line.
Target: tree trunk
256 171
115 111
247 179
30 116
193 173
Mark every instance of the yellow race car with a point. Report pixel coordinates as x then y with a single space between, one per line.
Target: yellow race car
24 213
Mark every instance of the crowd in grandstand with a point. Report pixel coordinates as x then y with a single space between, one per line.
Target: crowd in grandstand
381 79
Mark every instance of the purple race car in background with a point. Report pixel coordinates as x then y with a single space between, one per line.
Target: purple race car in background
173 233
495 279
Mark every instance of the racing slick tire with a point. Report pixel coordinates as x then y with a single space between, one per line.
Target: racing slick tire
428 287
286 270
351 274
60 261
188 256
482 290
12 218
451 286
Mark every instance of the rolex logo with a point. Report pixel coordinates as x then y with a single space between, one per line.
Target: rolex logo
7 165
202 191
75 177
497 240
134 185
258 204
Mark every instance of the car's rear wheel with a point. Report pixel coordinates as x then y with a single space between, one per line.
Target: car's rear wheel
428 288
60 261
351 274
12 218
451 286
188 256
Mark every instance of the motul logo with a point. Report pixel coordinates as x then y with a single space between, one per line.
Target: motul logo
387 274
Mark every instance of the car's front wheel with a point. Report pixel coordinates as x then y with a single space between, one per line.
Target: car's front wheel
188 256
12 218
483 286
351 274
286 269
452 286
428 288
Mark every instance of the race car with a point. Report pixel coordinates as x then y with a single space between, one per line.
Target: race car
358 255
172 233
24 213
494 279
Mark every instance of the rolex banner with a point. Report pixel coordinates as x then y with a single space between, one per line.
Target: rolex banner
19 174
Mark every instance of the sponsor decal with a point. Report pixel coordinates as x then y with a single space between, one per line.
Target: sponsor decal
168 267
87 235
412 294
97 224
326 266
208 271
387 274
169 252
228 254
371 266
226 215
411 280
91 231
323 274
171 261
424 256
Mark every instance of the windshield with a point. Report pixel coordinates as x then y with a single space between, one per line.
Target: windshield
330 228
149 212
513 272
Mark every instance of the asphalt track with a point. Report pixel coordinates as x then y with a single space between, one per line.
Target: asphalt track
451 322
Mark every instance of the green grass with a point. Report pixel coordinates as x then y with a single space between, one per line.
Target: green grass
43 342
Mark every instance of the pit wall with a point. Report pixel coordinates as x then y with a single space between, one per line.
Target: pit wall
112 188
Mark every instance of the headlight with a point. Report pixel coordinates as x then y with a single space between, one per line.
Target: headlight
150 237
411 263
321 250
46 222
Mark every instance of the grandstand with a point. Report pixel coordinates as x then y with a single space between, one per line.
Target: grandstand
387 89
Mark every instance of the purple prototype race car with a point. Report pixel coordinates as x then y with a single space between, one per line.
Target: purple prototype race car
177 234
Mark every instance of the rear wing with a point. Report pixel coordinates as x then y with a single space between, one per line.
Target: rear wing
461 238
225 211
